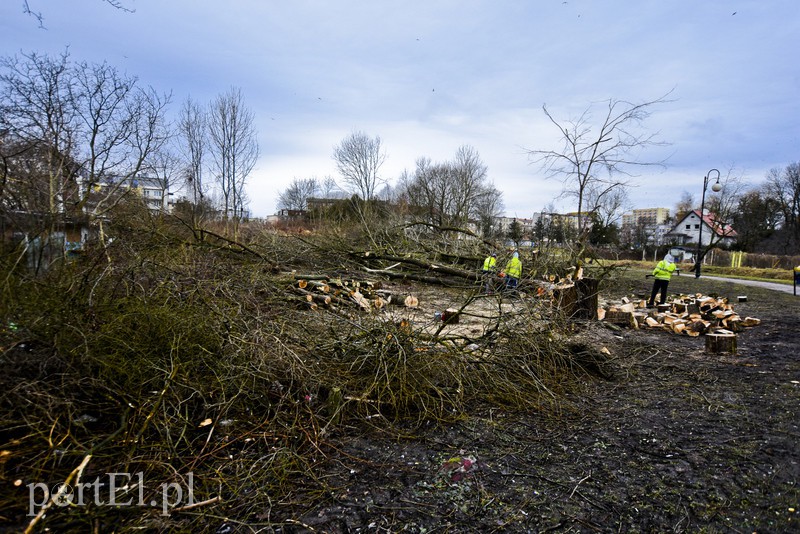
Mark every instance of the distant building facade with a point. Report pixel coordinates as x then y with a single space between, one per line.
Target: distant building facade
154 191
647 226
646 216
503 224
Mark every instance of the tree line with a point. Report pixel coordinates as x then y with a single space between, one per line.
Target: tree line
75 135
443 194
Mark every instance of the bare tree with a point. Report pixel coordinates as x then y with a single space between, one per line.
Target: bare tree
452 193
469 176
38 115
722 208
684 206
609 206
295 197
598 156
122 124
359 159
783 185
165 167
234 150
93 128
328 187
488 206
428 191
193 139
77 134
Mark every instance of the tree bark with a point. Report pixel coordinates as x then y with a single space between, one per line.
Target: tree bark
430 267
720 342
587 298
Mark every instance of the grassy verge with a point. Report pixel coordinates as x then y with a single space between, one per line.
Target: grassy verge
743 273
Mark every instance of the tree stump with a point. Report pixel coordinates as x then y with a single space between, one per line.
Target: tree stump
450 316
720 342
333 405
587 298
565 299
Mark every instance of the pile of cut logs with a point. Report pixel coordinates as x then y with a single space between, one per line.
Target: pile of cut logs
318 290
691 315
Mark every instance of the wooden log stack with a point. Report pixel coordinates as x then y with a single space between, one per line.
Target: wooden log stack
693 315
320 290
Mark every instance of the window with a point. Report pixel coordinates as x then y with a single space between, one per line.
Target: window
696 226
688 226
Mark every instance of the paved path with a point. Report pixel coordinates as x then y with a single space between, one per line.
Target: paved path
786 288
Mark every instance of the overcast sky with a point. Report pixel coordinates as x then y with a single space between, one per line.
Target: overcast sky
428 76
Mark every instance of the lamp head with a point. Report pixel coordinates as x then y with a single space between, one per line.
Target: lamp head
717 187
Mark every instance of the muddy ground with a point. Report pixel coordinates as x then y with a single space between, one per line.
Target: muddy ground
674 440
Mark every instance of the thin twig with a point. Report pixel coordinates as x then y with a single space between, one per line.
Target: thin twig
587 477
196 505
76 474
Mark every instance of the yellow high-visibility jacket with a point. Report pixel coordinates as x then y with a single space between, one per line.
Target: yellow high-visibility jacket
514 268
489 263
664 270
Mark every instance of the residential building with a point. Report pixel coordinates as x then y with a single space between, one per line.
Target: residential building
646 216
647 226
503 224
659 234
154 191
716 232
321 204
286 214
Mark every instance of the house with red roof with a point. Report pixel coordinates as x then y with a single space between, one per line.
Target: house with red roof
714 232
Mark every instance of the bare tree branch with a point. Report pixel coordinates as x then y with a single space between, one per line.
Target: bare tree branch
593 156
234 150
26 8
359 159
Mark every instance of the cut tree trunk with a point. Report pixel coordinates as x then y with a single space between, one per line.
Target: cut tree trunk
720 342
319 286
587 298
318 298
422 264
450 316
565 298
402 275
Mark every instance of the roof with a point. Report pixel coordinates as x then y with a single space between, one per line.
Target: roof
710 219
720 228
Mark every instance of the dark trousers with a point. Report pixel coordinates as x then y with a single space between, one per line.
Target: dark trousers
659 285
488 278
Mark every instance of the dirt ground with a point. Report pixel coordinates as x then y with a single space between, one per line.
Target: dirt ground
675 440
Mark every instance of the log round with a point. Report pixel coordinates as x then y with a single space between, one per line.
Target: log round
720 343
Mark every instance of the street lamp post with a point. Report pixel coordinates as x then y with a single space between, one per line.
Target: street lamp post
716 187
